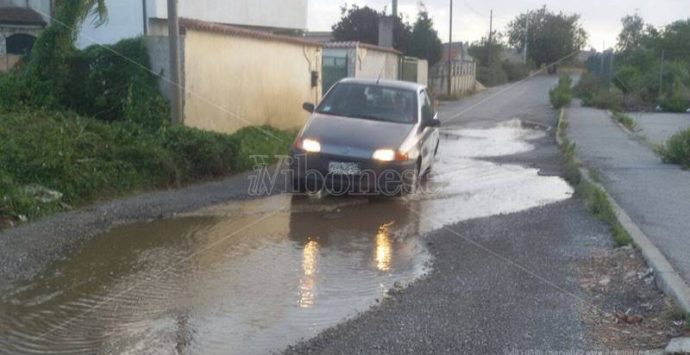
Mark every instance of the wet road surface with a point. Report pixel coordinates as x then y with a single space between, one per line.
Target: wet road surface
256 276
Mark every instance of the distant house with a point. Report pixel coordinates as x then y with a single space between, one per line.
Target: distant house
20 23
132 18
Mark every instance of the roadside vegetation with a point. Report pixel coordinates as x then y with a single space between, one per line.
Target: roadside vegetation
677 149
624 119
593 93
83 125
561 95
596 199
492 69
648 70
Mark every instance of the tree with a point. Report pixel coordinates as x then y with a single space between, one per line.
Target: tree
632 34
362 24
551 37
425 43
479 50
48 62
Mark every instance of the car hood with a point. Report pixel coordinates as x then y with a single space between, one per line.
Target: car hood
356 136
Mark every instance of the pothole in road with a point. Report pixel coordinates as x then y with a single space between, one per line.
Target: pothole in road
255 276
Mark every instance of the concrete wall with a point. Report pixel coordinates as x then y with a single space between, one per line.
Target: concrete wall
235 81
125 17
463 78
423 72
159 56
371 63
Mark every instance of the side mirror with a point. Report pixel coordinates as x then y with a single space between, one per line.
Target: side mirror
432 122
309 107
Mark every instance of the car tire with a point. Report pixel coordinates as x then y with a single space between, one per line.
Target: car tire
298 186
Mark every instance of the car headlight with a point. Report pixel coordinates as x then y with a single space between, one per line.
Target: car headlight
384 155
311 145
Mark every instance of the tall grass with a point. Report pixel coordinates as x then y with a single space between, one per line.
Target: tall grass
85 159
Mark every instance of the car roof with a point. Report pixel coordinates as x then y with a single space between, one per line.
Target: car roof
398 84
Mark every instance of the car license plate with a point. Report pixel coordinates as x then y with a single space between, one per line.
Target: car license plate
341 168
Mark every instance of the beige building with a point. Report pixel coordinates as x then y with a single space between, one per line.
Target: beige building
234 77
358 60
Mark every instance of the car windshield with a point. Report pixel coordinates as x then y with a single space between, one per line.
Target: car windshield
372 102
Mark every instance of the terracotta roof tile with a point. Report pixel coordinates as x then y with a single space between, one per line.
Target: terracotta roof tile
352 44
199 25
20 16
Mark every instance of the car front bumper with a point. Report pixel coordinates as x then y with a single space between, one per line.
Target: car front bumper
312 169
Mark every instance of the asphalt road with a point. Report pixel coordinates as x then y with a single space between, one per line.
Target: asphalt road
656 195
208 270
499 284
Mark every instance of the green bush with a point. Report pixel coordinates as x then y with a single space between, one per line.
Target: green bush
625 120
115 83
595 94
674 103
259 141
99 82
588 85
561 95
86 159
677 149
515 71
491 76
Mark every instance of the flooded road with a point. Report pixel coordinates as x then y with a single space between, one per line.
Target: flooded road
255 276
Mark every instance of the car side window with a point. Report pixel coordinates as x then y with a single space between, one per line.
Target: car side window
427 108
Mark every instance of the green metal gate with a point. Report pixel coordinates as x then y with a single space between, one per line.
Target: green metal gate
334 69
408 69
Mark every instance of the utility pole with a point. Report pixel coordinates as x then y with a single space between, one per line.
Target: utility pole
661 72
395 8
175 87
526 37
145 16
450 51
491 33
611 68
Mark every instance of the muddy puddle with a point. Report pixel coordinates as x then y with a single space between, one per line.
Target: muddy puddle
255 276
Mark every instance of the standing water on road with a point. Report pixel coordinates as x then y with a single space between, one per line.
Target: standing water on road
255 276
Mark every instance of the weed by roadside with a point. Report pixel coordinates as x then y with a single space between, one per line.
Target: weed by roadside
677 149
624 119
561 95
595 94
681 319
52 161
600 206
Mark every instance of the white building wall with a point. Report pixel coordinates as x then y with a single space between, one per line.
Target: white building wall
126 17
372 64
286 14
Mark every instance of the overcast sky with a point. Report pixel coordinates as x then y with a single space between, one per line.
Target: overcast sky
601 18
